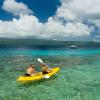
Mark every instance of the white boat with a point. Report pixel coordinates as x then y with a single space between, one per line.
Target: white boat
72 46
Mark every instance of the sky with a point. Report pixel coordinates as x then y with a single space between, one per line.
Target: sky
50 19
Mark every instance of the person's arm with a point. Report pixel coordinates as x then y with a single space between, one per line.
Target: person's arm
43 65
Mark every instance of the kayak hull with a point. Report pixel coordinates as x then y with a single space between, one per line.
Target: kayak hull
38 76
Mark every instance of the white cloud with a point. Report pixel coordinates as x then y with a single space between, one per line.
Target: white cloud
29 25
73 12
85 6
25 26
79 9
16 8
67 14
56 29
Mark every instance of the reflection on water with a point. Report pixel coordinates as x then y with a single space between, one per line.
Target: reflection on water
78 78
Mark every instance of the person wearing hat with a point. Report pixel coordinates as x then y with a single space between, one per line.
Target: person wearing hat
30 70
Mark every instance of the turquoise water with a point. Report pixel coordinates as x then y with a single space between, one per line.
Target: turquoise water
78 79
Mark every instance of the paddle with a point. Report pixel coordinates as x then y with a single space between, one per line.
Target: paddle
41 61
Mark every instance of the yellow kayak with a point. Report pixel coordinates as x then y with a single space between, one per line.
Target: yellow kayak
38 76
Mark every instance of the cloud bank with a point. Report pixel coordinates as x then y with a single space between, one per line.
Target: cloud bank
67 22
16 8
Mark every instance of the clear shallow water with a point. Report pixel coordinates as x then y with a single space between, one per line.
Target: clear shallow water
78 79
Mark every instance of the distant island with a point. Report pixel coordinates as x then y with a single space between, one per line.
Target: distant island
32 42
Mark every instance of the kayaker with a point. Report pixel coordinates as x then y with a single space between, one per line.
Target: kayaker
30 70
45 68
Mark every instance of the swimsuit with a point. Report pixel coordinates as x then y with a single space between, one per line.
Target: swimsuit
45 72
27 74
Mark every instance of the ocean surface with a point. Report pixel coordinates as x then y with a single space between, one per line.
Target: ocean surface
78 78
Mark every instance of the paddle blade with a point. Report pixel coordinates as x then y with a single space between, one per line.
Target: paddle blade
39 60
46 76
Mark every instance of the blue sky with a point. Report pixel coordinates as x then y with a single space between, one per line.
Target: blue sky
50 19
43 9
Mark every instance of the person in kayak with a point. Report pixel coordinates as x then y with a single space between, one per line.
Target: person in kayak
30 70
45 68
